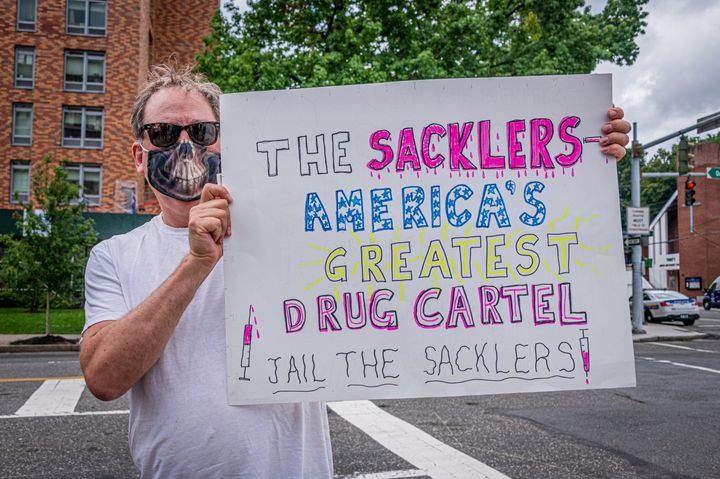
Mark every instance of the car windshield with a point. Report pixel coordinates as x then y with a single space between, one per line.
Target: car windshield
669 295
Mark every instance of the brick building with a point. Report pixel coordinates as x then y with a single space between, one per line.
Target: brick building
69 73
699 250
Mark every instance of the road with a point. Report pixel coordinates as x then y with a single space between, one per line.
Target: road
709 323
666 427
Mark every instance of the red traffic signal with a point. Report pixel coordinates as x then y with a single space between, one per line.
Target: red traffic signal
690 192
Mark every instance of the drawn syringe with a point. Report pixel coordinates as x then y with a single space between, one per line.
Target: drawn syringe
585 351
247 340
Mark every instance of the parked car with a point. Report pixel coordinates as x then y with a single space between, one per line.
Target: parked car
711 299
664 305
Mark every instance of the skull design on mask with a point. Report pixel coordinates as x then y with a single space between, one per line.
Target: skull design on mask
182 170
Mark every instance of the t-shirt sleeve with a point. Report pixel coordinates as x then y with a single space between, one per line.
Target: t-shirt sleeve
104 298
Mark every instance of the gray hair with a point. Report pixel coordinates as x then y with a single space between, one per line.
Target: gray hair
166 76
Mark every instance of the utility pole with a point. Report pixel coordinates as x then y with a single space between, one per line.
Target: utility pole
637 294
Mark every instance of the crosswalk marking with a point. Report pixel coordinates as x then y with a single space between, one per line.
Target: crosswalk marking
59 397
420 449
53 397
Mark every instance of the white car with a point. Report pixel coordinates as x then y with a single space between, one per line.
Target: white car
665 305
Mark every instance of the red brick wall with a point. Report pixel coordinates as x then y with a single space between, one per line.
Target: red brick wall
127 57
178 29
700 251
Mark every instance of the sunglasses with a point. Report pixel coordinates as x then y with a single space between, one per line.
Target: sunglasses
163 135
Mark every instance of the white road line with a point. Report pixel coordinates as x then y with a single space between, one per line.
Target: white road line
706 326
387 475
682 365
676 346
84 413
55 396
420 449
709 319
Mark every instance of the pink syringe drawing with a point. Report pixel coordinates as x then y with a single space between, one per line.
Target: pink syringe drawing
585 351
247 344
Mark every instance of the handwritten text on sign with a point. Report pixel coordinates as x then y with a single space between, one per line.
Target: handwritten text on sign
423 239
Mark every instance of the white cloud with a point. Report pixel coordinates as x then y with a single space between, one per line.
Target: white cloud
675 78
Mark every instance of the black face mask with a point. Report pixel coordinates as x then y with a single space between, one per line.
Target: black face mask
182 170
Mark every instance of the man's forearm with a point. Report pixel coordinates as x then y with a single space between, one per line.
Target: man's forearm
116 354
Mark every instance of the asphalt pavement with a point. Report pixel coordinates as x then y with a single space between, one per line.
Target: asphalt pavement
666 427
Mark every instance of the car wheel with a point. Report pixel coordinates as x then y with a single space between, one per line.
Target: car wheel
689 322
648 317
706 305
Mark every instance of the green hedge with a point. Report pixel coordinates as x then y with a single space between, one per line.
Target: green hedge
20 321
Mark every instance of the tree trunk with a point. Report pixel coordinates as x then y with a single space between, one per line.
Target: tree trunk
47 312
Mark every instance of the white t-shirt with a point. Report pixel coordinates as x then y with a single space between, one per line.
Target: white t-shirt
180 422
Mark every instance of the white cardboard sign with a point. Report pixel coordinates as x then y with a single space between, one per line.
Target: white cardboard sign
419 239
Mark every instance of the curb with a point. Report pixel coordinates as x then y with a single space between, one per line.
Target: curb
689 337
38 348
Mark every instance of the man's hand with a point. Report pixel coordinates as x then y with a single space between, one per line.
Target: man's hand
614 138
209 224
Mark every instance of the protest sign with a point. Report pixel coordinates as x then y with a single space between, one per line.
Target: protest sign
419 239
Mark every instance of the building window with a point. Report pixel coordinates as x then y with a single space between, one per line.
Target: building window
84 71
19 181
86 17
89 180
22 124
26 13
24 67
82 127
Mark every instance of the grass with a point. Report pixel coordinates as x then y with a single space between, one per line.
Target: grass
20 321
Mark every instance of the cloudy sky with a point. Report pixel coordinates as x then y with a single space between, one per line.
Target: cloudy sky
676 78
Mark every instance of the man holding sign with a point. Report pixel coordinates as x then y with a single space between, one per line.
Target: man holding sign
155 308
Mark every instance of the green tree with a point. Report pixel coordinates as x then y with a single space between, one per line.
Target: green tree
48 257
279 44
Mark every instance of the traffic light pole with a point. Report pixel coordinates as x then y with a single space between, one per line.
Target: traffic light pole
637 294
692 222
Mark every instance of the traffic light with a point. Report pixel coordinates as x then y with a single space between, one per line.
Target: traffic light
690 192
684 157
682 154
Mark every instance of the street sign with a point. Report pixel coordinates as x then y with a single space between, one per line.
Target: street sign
713 173
668 262
638 221
632 241
713 121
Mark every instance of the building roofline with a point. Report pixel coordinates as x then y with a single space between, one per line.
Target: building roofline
665 207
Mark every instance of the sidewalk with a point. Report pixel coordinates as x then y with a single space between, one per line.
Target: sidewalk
666 332
653 332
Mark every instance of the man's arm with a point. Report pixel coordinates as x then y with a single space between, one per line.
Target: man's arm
116 354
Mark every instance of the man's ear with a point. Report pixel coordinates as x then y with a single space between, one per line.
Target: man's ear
137 154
